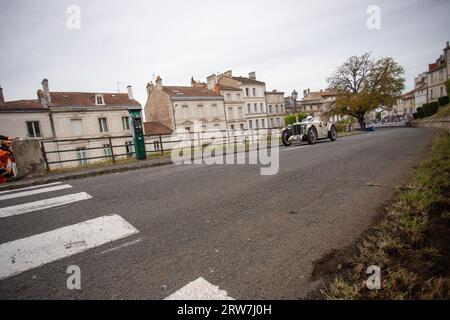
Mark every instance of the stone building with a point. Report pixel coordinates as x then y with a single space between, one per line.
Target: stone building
438 73
318 102
180 107
247 92
275 108
89 124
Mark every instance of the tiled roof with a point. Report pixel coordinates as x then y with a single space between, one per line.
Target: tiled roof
22 105
177 91
156 127
88 99
245 80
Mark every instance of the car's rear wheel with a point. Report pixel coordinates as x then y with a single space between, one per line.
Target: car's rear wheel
285 138
333 133
312 135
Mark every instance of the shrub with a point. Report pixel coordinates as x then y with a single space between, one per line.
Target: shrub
430 108
447 86
290 118
443 100
415 116
420 112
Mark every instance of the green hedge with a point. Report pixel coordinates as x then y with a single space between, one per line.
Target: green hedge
430 108
290 118
447 86
443 100
419 114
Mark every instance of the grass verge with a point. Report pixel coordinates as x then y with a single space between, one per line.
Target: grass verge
411 245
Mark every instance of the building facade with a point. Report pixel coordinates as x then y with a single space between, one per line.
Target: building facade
420 90
251 93
275 109
181 107
317 103
438 73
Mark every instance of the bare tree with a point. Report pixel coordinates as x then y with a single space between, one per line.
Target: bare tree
363 84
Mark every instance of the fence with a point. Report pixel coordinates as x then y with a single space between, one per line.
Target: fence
83 151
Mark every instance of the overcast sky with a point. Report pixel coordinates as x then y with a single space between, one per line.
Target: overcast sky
289 43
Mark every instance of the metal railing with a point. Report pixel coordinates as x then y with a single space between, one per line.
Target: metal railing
154 144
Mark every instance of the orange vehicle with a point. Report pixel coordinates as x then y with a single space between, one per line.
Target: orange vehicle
6 161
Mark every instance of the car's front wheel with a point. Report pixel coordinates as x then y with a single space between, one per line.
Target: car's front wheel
333 133
285 138
312 135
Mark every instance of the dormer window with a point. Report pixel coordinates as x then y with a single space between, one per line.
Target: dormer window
99 100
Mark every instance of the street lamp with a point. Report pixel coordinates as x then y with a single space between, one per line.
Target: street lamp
294 96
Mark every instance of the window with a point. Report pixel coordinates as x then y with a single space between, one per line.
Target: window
263 123
216 126
441 91
248 108
276 109
185 112
228 96
126 123
82 155
108 152
242 126
214 109
201 113
246 92
34 129
129 148
431 94
238 96
250 124
76 127
261 106
441 75
188 129
255 107
254 92
257 123
271 122
103 124
99 99
241 112
270 108
232 127
230 113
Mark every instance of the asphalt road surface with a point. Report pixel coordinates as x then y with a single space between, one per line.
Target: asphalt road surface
190 231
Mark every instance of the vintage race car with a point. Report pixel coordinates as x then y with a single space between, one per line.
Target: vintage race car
310 129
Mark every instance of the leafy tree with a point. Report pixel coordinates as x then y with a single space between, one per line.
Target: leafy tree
447 87
363 84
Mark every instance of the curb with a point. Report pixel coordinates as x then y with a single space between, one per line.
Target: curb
79 175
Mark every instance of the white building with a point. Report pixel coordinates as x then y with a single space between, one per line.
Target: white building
420 90
73 126
275 109
249 91
438 73
181 107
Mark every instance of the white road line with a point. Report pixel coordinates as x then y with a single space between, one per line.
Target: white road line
199 289
43 204
29 188
29 253
29 193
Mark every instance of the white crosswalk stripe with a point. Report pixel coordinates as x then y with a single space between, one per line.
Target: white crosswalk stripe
31 252
37 250
199 289
33 192
43 204
32 187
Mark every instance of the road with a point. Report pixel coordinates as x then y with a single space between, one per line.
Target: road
211 231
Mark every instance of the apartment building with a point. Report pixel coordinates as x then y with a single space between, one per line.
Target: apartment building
252 95
317 103
438 73
420 90
181 107
275 108
80 125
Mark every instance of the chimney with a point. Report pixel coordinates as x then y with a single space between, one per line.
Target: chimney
252 75
40 96
45 89
150 87
217 88
159 83
130 92
228 73
2 98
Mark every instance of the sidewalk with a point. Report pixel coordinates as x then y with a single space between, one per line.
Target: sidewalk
54 177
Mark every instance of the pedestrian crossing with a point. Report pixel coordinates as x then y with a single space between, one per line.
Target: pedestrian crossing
33 251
